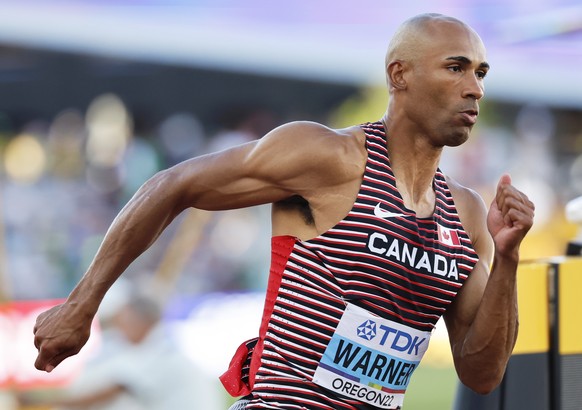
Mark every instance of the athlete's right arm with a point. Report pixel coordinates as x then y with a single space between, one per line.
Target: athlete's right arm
288 161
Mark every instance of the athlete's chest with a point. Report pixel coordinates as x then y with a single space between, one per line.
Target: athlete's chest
383 256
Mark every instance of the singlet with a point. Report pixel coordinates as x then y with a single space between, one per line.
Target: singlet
348 314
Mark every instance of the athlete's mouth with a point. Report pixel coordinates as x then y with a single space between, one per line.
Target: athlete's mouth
470 116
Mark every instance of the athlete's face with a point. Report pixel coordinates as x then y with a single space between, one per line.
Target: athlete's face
445 83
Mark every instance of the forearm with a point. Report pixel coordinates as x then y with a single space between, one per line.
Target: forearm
134 229
491 337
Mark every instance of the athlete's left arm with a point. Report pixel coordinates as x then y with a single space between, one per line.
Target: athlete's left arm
482 322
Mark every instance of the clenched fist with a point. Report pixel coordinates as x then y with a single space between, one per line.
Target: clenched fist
60 332
510 217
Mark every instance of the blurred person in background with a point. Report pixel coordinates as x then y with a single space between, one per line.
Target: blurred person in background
371 244
139 368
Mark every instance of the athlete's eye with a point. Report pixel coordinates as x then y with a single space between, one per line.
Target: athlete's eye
455 68
481 74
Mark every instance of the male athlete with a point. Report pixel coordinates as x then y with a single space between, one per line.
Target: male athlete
372 243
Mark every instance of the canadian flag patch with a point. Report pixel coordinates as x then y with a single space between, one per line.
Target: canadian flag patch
448 236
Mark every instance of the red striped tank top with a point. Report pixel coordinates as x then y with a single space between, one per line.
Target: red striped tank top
349 313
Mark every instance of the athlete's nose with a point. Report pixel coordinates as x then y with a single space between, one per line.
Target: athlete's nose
473 88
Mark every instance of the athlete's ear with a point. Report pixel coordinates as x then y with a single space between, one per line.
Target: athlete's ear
395 75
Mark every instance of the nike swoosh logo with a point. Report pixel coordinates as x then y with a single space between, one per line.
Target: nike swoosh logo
380 213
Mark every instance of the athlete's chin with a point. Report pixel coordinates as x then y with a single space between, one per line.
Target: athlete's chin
458 141
458 137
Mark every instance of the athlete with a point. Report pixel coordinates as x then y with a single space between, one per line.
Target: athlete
372 243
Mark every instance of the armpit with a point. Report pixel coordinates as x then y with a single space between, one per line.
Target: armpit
299 204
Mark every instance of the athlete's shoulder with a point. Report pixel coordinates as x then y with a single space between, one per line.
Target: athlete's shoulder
472 212
464 197
311 139
308 130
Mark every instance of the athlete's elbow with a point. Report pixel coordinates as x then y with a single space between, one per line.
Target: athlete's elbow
485 388
165 187
156 185
481 382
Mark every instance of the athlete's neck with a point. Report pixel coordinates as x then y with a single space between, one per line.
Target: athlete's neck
414 163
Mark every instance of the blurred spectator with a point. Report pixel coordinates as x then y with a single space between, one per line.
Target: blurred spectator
138 368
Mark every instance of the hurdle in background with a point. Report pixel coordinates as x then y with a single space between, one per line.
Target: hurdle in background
545 370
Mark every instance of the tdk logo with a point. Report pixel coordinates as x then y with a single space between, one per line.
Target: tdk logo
367 330
400 340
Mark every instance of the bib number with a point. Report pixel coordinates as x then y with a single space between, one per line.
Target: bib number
371 359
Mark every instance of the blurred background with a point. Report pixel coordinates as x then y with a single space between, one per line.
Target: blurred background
96 96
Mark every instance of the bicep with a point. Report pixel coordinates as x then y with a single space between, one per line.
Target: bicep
283 163
461 313
224 180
